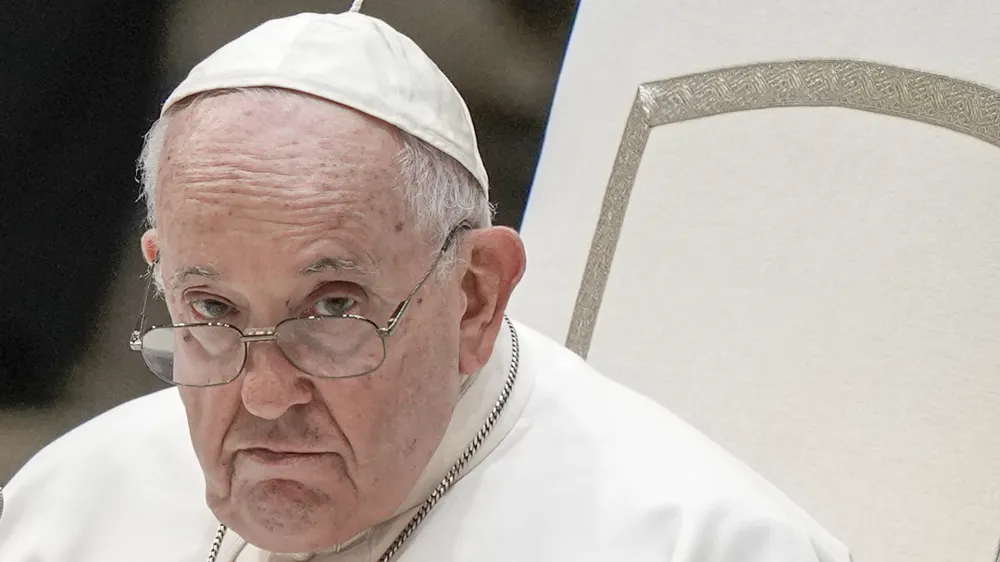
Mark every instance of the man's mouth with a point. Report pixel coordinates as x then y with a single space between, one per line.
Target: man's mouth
272 457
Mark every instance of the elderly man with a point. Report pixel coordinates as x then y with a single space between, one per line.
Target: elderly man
348 385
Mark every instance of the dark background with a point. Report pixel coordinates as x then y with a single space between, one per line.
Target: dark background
80 83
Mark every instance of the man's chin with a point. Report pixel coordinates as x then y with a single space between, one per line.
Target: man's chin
286 516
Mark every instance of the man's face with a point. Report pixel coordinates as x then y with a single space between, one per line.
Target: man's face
270 208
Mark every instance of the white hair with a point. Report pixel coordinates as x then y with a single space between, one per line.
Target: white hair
439 192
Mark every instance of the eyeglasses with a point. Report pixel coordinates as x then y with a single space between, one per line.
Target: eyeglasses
327 347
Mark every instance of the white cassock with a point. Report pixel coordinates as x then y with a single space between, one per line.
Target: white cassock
578 468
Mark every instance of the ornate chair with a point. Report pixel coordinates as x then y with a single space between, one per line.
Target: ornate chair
782 221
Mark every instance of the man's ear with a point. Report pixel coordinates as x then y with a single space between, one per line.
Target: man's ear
150 247
496 260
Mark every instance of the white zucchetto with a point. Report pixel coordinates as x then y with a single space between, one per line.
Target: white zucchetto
351 59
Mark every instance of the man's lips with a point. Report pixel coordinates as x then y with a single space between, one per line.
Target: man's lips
271 456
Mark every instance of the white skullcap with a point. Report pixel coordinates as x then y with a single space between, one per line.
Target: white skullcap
354 60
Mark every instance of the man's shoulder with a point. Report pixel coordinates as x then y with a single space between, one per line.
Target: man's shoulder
127 476
568 388
118 439
595 413
609 439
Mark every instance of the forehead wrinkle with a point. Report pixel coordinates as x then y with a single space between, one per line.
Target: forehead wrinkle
334 209
277 176
299 165
249 187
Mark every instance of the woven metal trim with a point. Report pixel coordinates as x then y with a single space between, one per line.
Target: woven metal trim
961 106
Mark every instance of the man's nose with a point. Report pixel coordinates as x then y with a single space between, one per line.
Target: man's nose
271 385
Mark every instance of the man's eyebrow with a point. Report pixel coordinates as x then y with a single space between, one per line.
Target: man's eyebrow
336 264
182 275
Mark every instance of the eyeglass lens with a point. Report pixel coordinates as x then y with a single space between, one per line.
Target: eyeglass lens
201 355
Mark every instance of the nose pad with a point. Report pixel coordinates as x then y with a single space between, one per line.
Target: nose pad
271 383
266 353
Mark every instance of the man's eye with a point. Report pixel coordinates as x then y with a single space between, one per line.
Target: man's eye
333 306
211 309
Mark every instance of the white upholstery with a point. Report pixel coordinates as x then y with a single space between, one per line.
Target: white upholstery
807 264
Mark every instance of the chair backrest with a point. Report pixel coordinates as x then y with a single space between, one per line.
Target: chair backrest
782 221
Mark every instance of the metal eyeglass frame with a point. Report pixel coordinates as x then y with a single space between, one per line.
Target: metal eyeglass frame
270 334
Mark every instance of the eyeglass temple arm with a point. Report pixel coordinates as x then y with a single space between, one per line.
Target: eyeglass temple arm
135 340
448 241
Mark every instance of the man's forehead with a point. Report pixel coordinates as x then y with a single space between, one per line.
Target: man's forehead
296 141
247 157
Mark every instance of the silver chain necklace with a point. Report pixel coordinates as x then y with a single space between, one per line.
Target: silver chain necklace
449 480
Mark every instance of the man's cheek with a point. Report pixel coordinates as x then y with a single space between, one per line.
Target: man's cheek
208 422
